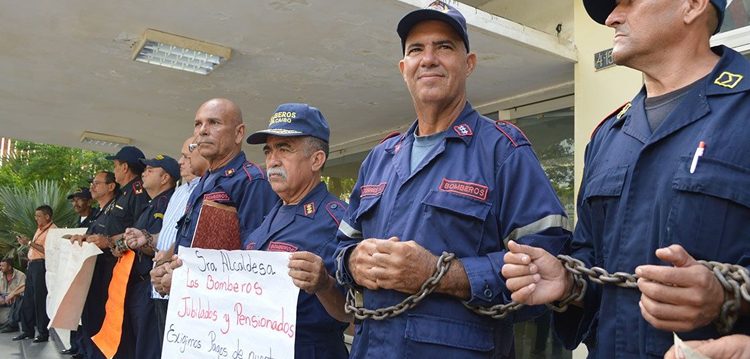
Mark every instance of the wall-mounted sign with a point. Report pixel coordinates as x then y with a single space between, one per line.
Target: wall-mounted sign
603 59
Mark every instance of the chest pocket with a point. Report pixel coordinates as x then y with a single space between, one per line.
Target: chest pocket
602 197
365 212
448 216
710 209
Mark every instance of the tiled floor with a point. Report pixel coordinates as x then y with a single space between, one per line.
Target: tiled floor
26 349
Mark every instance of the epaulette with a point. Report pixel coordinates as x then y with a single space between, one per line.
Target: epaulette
513 133
620 111
390 135
248 167
336 210
137 187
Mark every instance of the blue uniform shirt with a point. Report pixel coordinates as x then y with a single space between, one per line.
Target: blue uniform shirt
638 195
240 184
308 226
481 186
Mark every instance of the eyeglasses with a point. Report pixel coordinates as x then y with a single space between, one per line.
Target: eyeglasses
96 183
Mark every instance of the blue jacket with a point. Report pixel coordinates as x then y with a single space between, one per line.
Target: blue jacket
308 226
478 188
638 195
240 184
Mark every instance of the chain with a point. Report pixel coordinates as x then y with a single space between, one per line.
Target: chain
497 311
354 307
733 278
598 274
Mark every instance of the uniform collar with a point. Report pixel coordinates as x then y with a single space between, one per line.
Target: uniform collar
166 194
308 206
730 75
231 168
462 128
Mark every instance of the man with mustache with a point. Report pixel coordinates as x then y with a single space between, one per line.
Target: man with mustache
665 183
81 201
304 222
455 182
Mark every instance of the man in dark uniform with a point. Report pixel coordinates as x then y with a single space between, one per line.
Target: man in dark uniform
304 222
81 202
128 169
665 182
230 180
455 182
104 190
120 214
140 337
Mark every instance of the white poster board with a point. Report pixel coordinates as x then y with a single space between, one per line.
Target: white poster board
231 304
70 268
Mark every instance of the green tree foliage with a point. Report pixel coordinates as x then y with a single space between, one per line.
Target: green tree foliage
69 167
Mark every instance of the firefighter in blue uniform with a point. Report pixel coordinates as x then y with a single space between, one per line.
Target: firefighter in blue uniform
140 337
231 179
456 182
665 182
304 222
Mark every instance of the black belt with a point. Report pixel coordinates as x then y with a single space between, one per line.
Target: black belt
36 260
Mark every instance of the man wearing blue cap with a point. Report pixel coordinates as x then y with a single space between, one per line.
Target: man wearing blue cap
128 169
304 222
140 335
456 183
665 183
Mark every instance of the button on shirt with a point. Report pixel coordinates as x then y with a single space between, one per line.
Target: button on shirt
479 187
308 226
638 194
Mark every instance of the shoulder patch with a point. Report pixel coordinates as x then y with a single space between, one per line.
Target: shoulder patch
512 133
336 210
620 111
390 135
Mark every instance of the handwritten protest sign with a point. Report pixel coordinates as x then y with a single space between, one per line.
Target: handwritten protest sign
231 304
69 270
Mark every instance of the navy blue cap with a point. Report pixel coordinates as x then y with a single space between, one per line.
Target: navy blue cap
294 119
599 10
437 10
129 154
168 164
82 192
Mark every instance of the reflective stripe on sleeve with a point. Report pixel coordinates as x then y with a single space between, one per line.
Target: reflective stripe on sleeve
350 232
551 221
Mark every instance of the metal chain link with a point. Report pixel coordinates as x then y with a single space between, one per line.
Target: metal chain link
733 278
497 311
359 312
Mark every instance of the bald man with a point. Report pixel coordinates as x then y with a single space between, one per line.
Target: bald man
230 179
